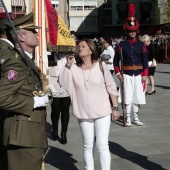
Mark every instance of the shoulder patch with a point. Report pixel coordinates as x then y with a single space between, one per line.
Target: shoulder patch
12 75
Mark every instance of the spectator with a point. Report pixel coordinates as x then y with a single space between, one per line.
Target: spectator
61 100
151 63
89 92
109 51
74 36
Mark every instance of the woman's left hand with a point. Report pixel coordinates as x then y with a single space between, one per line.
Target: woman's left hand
144 78
115 115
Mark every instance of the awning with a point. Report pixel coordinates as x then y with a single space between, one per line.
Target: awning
18 3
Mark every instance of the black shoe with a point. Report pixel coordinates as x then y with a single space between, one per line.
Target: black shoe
55 135
153 92
63 138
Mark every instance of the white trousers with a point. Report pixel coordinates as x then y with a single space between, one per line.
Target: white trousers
133 90
100 127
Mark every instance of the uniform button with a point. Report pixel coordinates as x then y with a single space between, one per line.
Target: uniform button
29 118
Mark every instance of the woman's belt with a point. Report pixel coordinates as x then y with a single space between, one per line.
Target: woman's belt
132 67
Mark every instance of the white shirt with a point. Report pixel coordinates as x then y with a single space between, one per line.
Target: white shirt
109 51
28 54
54 73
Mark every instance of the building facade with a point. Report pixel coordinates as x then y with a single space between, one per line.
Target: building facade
103 17
84 16
62 8
17 7
149 13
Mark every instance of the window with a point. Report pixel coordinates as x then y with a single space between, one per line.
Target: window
145 6
145 9
55 3
83 4
89 7
17 9
74 8
79 7
122 9
56 6
108 4
107 17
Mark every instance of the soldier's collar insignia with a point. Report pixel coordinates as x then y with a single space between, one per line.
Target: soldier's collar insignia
16 56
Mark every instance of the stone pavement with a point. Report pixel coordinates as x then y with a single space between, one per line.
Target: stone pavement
132 148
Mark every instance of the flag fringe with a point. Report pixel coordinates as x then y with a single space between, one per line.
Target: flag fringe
61 48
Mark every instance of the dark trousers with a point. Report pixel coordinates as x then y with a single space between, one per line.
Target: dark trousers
60 106
21 158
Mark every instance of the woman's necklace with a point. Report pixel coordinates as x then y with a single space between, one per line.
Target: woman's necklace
86 80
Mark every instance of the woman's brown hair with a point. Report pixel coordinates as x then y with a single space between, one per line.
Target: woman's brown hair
94 55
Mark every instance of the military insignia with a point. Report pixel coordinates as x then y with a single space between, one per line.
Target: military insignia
132 21
12 75
16 56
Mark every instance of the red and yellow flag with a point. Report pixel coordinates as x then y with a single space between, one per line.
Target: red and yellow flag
58 35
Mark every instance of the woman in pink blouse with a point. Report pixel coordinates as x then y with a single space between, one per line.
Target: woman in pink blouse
89 91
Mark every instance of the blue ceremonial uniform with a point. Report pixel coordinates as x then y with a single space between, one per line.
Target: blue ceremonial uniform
135 68
134 54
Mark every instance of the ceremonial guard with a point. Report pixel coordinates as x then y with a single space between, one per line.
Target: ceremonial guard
135 68
25 123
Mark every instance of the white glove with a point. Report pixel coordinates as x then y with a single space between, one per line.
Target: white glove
40 101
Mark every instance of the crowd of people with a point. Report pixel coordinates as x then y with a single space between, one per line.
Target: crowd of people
161 43
82 80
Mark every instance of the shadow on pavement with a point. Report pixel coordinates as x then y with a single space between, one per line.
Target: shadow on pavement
164 72
60 159
136 158
49 130
119 121
163 87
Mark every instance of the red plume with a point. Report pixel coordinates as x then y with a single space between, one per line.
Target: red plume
131 10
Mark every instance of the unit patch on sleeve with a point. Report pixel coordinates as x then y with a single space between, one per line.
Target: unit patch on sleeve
12 75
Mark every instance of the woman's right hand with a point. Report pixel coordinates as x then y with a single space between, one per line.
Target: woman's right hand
115 115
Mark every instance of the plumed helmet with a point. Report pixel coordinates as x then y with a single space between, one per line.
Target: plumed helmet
131 22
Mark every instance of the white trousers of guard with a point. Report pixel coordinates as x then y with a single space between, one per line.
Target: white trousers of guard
133 90
100 129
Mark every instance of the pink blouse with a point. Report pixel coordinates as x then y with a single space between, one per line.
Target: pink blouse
89 90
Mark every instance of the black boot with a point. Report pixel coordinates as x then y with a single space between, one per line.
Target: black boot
63 138
55 135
